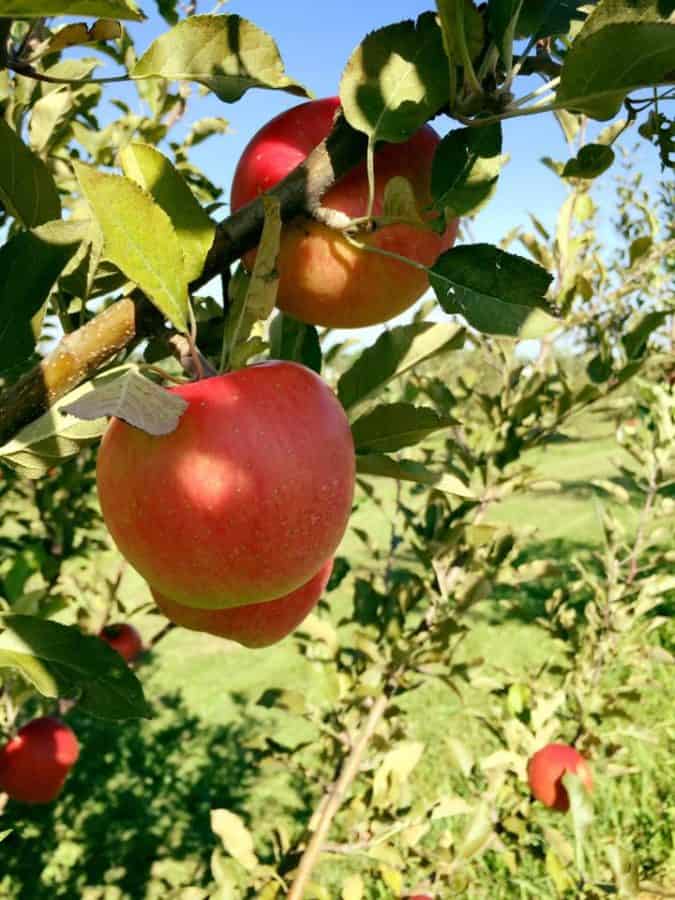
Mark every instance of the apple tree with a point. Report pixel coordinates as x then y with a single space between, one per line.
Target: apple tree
235 433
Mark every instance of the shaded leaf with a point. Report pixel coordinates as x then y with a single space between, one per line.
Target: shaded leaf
133 398
408 470
591 160
396 79
294 340
465 168
140 239
635 342
30 263
227 54
394 771
391 426
60 661
78 33
27 188
494 291
396 351
152 171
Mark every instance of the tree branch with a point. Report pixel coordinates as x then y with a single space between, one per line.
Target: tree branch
81 353
334 797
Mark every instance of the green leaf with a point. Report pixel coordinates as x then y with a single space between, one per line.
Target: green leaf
639 247
30 263
140 239
465 169
133 398
494 291
235 836
543 19
396 351
5 833
408 470
394 772
396 79
353 888
472 23
225 53
77 33
112 9
27 188
55 435
501 17
621 47
296 341
399 202
635 341
152 171
591 160
391 426
62 662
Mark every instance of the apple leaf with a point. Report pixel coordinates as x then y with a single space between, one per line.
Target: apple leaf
30 263
540 20
112 9
399 202
152 171
139 238
294 340
391 426
77 33
133 398
591 160
27 188
635 341
378 464
465 169
472 23
5 833
235 836
494 291
396 79
225 53
60 661
396 351
621 47
56 435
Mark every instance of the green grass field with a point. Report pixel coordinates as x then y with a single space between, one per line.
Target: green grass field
134 819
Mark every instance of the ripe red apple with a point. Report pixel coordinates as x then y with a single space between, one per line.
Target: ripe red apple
35 763
245 500
255 625
546 769
323 279
124 638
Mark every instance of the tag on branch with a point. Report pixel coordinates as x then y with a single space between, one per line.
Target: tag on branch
136 400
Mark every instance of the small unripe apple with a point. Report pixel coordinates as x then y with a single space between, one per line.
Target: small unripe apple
35 763
123 638
323 278
255 625
546 768
245 500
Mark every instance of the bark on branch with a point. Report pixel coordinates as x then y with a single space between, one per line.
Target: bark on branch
81 353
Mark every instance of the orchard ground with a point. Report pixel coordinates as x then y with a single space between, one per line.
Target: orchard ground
133 820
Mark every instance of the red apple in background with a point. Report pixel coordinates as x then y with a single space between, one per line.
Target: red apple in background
35 763
245 500
255 625
323 279
546 769
124 639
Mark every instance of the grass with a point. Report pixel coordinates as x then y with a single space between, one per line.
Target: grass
134 819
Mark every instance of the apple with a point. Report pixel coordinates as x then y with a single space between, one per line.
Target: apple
124 639
255 625
323 279
35 763
245 500
546 768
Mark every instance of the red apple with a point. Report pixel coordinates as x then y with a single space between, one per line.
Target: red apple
35 763
323 279
123 638
245 500
255 625
546 769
